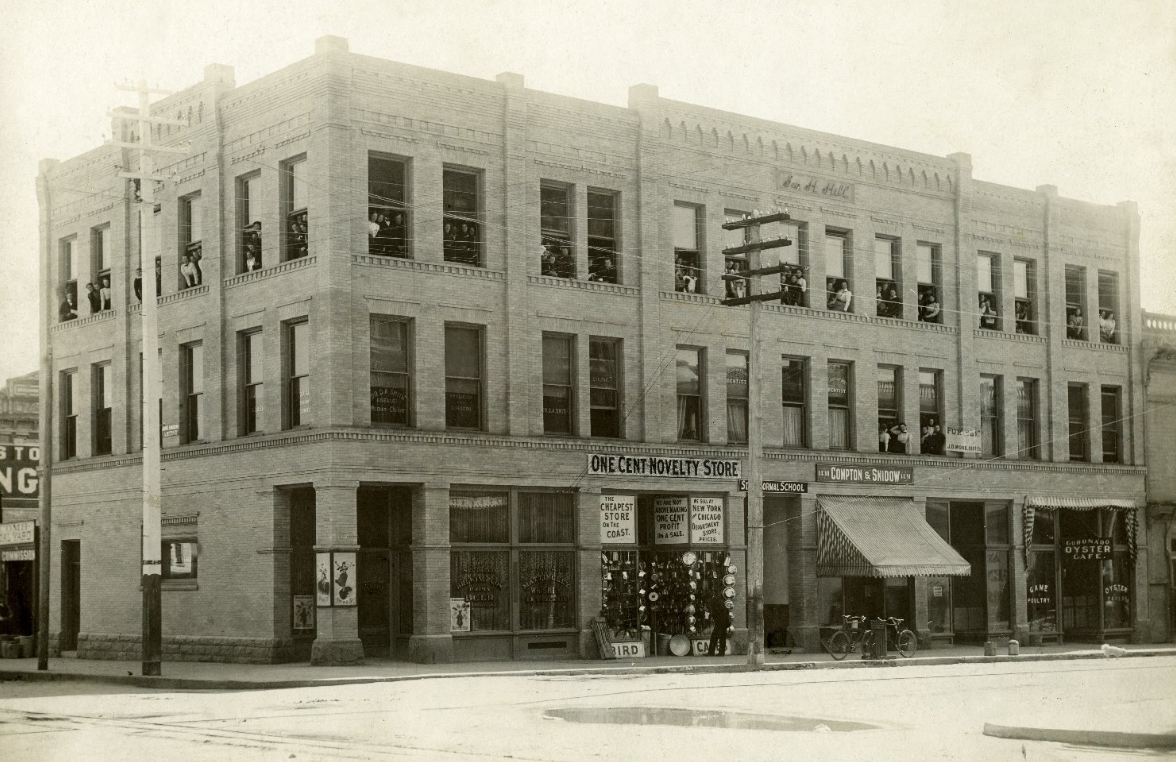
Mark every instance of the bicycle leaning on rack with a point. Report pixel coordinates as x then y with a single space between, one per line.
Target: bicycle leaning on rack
847 638
903 639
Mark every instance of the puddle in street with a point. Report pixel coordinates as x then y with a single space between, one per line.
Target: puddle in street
703 718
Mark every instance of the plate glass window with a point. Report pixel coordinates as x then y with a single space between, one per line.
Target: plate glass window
248 223
179 558
991 434
932 437
792 398
1024 295
461 228
557 256
687 255
298 374
68 270
603 248
1108 307
557 384
689 382
463 377
837 285
1078 433
100 263
604 386
888 288
1028 442
252 399
1076 318
889 392
388 207
389 371
69 415
192 360
987 284
734 264
1112 425
737 396
191 242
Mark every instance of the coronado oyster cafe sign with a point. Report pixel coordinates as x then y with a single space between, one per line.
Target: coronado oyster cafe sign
644 465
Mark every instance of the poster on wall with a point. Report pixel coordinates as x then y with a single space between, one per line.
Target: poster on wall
459 615
670 515
322 576
344 578
303 613
963 440
706 520
618 519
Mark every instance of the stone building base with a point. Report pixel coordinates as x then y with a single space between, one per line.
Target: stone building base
430 649
235 650
336 652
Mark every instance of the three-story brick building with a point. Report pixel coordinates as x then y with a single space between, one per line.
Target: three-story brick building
446 376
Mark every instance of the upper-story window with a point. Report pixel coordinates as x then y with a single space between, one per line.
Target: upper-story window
390 389
886 273
893 434
250 374
192 392
1025 295
294 201
690 393
603 237
1028 427
794 280
388 207
248 225
837 286
461 228
191 241
463 377
1078 432
734 264
100 254
840 420
101 392
933 440
1112 425
988 287
1076 323
558 383
67 396
604 387
1108 307
738 396
296 390
792 398
929 271
687 253
991 418
557 256
67 268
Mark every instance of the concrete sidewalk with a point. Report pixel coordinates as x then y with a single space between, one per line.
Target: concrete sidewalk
217 676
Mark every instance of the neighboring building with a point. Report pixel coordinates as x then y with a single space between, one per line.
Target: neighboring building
447 376
19 493
1159 378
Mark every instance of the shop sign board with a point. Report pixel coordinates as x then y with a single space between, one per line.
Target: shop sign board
835 472
1089 549
706 520
646 465
670 515
28 554
18 471
963 440
18 533
628 649
699 647
799 488
618 519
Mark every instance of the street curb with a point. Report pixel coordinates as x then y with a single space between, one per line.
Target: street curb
1109 738
631 668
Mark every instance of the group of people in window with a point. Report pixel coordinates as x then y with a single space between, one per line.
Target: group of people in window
387 232
894 437
889 300
251 245
97 296
1076 325
462 241
191 273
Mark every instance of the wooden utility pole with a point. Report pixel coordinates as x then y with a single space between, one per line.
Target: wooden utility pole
152 382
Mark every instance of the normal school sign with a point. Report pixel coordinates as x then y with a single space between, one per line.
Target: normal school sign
646 465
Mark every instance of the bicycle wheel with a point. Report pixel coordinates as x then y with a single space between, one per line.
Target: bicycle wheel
868 644
839 645
907 643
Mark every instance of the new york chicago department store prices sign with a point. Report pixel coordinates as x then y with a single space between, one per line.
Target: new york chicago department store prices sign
677 520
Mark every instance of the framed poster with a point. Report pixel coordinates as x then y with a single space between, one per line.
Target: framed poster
706 520
303 613
670 517
618 519
459 615
322 577
344 579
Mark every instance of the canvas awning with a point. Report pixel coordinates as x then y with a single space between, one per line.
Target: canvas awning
880 537
1035 503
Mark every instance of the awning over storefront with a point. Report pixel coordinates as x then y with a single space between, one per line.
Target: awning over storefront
1033 504
880 537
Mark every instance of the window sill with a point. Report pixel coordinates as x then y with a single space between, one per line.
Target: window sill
180 584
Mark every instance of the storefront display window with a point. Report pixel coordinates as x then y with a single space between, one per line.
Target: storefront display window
1042 602
541 581
979 603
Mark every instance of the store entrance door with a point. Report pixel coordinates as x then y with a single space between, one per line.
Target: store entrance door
376 600
384 516
71 594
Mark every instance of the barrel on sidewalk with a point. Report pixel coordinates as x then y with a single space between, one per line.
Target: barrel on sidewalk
878 646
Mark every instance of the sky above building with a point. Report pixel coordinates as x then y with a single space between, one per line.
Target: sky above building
1072 93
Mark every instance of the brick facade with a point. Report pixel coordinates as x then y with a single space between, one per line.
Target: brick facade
336 109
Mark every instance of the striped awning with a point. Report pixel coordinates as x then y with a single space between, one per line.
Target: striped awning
1077 503
880 537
